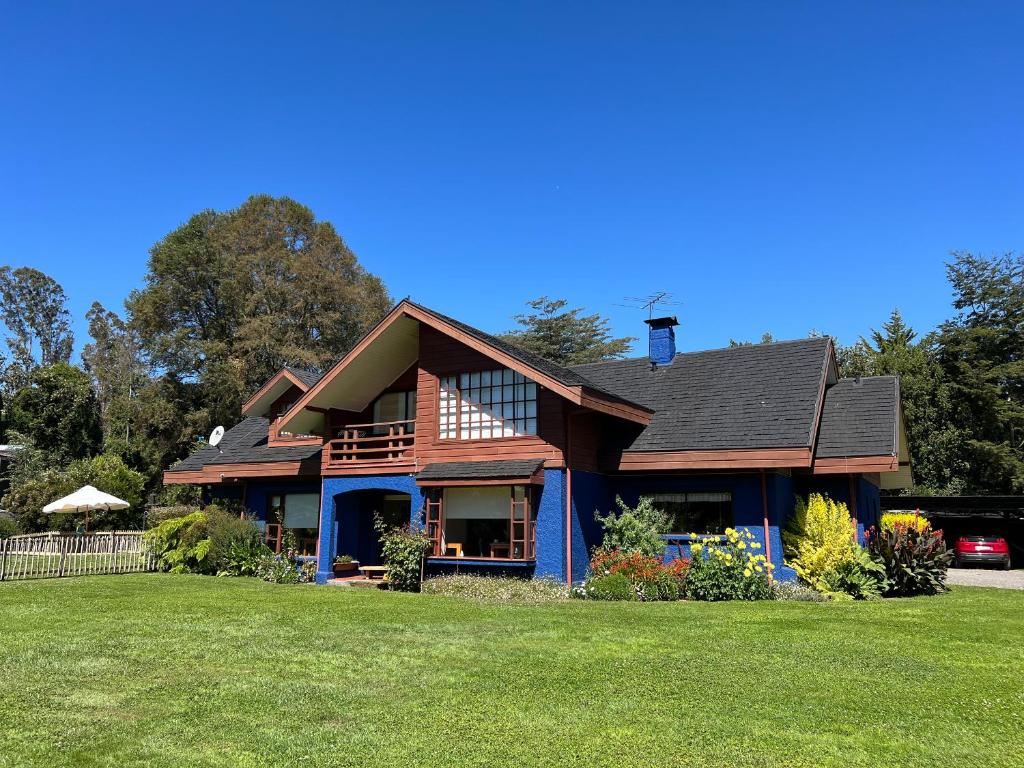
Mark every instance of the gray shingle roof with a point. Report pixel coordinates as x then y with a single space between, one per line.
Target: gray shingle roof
307 377
859 418
246 443
755 396
480 470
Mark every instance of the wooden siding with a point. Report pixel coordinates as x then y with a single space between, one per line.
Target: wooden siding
441 355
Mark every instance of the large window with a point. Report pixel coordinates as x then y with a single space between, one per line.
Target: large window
293 515
490 522
487 404
699 512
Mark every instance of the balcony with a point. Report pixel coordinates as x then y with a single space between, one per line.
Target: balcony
371 446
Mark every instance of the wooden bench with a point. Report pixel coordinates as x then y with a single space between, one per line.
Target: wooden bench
374 571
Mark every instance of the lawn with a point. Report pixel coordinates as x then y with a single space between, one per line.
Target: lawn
163 670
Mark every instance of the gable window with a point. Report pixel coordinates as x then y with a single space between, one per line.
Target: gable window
393 407
697 512
487 404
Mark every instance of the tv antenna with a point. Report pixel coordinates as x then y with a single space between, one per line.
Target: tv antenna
650 302
215 437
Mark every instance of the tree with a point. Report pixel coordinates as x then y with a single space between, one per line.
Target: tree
34 309
231 297
936 442
113 361
566 336
35 482
981 352
57 410
766 338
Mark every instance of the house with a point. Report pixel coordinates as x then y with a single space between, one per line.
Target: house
505 456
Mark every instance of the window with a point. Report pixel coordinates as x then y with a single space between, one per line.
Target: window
395 406
293 515
487 404
699 512
492 521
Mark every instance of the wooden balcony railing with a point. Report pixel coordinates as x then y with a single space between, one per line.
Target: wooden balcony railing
385 442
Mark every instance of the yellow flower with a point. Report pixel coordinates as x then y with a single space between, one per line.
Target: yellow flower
746 571
741 545
755 545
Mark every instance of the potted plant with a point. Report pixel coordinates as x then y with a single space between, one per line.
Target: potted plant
345 565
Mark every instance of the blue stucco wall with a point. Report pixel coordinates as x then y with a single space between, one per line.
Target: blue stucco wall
748 510
337 508
550 513
590 494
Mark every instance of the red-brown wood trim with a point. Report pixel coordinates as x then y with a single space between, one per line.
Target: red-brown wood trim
830 362
368 468
767 528
216 473
574 394
489 481
755 458
283 373
855 464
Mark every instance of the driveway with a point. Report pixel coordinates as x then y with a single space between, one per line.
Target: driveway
986 577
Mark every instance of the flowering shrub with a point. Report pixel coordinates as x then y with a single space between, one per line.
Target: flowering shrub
648 577
496 589
634 529
908 519
729 569
915 561
403 548
818 538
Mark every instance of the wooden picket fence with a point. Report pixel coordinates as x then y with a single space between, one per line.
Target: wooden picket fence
53 555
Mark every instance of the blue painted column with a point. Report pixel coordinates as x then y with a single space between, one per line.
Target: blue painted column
550 515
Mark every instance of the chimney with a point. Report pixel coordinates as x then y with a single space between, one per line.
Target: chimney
662 346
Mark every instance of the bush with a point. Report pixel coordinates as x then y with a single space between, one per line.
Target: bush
201 541
818 539
8 527
278 569
403 548
244 559
636 529
797 592
859 577
613 586
157 515
650 578
729 569
909 519
493 589
915 561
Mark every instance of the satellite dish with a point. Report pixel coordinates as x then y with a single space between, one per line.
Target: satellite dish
216 436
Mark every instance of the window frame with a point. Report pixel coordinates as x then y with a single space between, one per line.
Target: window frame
409 397
522 528
674 534
459 405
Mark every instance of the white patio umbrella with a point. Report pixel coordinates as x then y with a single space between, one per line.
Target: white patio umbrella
86 499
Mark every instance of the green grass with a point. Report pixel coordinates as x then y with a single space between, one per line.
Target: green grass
176 670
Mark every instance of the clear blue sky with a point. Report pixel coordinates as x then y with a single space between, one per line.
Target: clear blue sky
777 166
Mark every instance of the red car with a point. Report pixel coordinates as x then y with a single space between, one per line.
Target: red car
985 550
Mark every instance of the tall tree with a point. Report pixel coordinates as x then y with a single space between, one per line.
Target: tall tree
231 297
57 410
566 336
113 361
981 351
34 309
936 443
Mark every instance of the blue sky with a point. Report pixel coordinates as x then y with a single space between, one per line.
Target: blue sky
776 166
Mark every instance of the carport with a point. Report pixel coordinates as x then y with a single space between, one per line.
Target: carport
964 515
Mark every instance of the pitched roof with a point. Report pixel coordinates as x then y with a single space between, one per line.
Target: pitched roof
860 418
480 470
246 443
567 376
752 396
306 376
